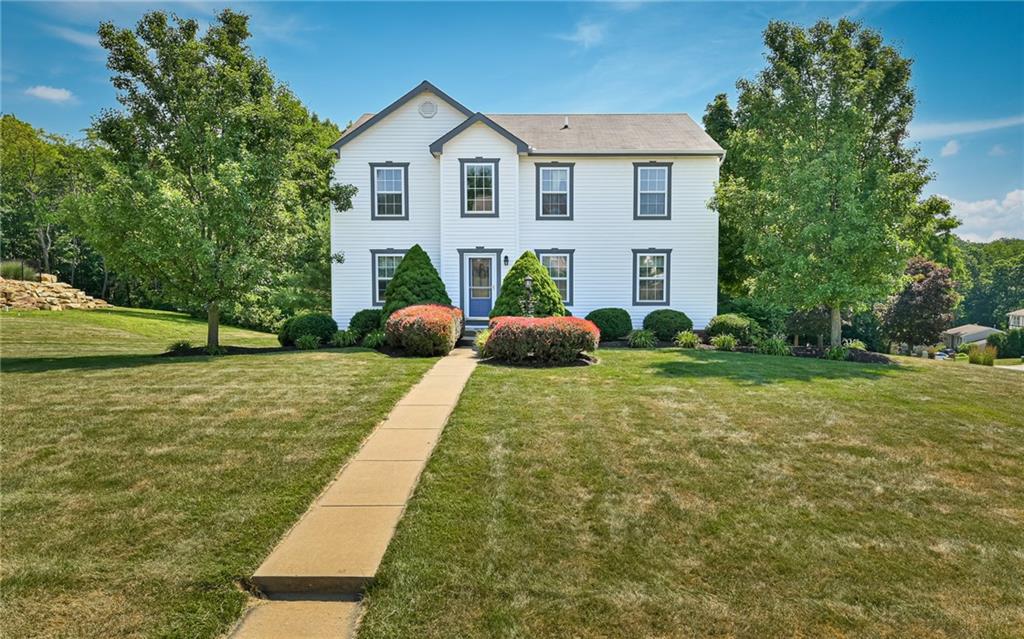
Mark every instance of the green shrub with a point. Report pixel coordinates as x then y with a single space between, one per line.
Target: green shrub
962 357
424 329
364 321
544 340
614 323
415 282
1008 344
775 345
181 347
724 342
344 339
744 329
687 339
480 341
837 353
665 323
320 325
374 339
963 349
854 344
307 342
985 356
12 270
547 301
641 339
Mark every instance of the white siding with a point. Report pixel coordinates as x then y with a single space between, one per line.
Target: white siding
403 136
603 233
459 232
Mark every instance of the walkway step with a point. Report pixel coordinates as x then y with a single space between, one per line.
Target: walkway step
300 619
337 545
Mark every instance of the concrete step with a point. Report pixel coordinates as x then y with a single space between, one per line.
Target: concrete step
319 618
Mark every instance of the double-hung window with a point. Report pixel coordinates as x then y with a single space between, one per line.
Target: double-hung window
385 261
651 277
554 191
389 190
558 263
652 190
479 181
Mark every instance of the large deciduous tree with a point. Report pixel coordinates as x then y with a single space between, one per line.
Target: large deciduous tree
822 180
924 308
216 171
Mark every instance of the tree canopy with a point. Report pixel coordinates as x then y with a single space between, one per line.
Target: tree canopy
821 177
216 171
924 308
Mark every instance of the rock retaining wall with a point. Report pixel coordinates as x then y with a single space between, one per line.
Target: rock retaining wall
47 295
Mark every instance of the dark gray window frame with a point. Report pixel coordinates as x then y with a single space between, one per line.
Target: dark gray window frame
373 271
462 277
636 190
572 257
668 276
373 189
555 165
462 185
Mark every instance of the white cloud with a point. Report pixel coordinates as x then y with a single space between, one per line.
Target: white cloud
81 38
933 130
586 35
987 220
50 94
998 151
950 148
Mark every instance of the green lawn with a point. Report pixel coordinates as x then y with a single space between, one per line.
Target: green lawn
691 494
138 491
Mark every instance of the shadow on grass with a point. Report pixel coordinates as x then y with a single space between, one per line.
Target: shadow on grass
107 362
751 369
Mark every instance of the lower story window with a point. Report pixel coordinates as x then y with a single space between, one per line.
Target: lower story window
384 265
558 263
651 276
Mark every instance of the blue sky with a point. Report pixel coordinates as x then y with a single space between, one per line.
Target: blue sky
344 59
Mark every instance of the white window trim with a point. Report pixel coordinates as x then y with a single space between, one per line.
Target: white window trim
666 255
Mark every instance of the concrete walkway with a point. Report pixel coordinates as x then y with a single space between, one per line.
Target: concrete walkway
315 574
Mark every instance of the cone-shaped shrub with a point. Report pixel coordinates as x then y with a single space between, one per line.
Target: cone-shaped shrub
547 301
415 282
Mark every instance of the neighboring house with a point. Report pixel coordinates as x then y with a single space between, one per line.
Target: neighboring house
967 334
1016 318
615 206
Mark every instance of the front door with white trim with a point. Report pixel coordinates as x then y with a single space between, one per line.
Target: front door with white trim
480 285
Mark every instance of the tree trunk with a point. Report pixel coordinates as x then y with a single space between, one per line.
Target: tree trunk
837 327
796 340
212 325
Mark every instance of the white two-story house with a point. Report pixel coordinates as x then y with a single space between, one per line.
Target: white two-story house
615 206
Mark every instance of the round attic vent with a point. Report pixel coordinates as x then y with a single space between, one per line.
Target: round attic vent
428 109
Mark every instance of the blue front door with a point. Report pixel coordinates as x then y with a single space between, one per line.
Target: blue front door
480 286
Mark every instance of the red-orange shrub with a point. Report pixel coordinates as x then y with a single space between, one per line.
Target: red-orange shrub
424 329
545 340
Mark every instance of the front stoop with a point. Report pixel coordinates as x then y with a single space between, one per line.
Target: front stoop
337 545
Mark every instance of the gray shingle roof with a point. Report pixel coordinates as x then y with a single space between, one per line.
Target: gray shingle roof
609 133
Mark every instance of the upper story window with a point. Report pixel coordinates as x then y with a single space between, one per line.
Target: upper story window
554 191
652 190
651 277
479 181
385 261
558 263
389 190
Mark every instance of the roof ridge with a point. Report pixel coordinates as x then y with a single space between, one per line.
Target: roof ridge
565 114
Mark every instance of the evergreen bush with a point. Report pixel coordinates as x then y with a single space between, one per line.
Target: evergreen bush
666 323
364 321
614 323
415 282
547 301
